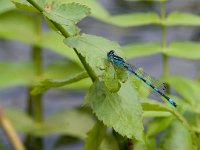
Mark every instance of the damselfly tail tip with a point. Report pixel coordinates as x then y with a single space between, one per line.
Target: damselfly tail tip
172 102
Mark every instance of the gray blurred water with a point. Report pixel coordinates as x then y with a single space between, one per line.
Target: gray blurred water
55 100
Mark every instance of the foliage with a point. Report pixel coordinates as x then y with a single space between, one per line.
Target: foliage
112 98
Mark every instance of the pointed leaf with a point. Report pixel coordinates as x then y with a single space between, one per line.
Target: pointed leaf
121 110
190 90
20 120
142 49
24 5
54 42
157 125
67 122
134 19
17 25
12 74
48 83
95 136
109 143
177 137
184 19
65 13
155 106
188 50
93 48
5 6
97 10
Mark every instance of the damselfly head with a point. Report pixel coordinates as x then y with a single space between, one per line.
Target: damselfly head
111 53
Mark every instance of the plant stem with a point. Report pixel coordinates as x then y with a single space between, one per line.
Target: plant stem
66 35
10 132
34 103
164 43
37 100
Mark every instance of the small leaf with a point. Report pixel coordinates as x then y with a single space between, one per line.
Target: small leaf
66 122
95 136
155 106
121 110
97 10
24 5
91 47
17 25
65 13
109 143
21 121
48 83
157 125
12 74
190 90
182 19
54 42
148 114
176 137
5 6
142 49
110 79
188 50
134 19
61 70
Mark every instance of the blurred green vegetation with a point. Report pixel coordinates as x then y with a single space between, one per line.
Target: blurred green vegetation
114 104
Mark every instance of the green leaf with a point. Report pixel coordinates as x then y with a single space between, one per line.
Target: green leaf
141 49
17 25
150 144
188 50
10 29
54 42
110 79
183 19
109 143
16 73
121 111
91 47
49 83
157 125
68 122
155 106
148 114
135 19
190 90
97 10
20 120
177 137
196 141
6 5
61 70
95 136
65 13
24 5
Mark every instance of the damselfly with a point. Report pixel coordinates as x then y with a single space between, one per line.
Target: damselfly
142 76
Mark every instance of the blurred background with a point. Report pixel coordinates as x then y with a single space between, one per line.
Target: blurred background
15 53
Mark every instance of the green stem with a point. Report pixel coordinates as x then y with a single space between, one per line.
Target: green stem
66 35
164 43
34 103
37 100
37 52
